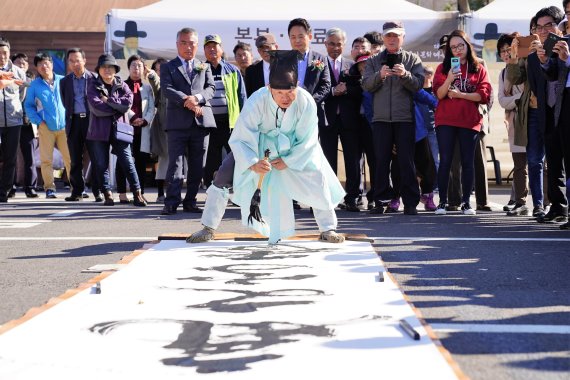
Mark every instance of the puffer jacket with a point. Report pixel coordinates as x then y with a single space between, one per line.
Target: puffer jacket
393 96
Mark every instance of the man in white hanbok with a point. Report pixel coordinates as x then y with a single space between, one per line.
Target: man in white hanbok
282 118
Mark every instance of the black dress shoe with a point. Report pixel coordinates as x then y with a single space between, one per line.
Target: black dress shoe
351 206
31 193
410 210
552 216
378 209
74 198
12 193
191 208
168 210
98 198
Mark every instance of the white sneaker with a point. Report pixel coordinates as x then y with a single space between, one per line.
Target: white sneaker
440 210
467 210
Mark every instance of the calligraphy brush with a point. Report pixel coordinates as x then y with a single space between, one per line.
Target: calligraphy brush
254 211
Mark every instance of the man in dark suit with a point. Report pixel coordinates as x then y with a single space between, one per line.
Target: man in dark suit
557 71
257 75
74 97
314 75
313 71
342 108
540 122
188 85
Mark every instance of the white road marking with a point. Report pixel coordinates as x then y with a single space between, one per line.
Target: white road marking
420 238
495 328
18 224
377 239
127 238
65 213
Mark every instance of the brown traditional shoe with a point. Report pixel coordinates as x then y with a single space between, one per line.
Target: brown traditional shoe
202 236
331 236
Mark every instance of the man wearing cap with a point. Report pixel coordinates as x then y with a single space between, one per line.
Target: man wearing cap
282 118
257 75
45 109
188 85
393 77
227 102
131 47
342 110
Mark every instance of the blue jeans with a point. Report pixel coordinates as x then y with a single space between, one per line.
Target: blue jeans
120 149
447 137
434 148
535 158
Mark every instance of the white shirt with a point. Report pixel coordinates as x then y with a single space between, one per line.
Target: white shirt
337 62
266 72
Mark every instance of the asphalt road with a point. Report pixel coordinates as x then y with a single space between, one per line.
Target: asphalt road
496 289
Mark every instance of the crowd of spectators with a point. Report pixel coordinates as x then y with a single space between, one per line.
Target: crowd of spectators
421 129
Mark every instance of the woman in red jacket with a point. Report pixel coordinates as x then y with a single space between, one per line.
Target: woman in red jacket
457 117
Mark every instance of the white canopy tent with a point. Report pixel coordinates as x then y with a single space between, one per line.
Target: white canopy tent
245 21
502 16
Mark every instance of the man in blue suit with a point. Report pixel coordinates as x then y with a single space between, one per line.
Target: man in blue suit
188 85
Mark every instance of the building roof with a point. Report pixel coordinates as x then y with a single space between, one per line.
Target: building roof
61 15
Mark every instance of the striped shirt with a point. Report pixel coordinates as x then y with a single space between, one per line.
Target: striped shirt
219 102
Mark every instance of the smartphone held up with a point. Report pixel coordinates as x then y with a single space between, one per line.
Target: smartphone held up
455 65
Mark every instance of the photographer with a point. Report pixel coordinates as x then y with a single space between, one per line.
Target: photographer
393 77
510 99
541 139
457 119
555 65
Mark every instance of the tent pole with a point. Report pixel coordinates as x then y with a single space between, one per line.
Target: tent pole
108 33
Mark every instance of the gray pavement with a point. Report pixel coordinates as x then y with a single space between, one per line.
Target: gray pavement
495 289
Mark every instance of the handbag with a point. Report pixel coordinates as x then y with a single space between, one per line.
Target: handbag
124 132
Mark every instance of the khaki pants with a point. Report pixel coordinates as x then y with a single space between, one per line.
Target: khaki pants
47 141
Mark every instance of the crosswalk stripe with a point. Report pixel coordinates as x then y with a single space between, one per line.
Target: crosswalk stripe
496 328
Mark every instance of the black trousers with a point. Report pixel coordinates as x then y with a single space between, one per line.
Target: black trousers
77 144
403 135
328 137
219 137
194 141
10 137
554 149
425 168
141 159
481 180
564 133
28 144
